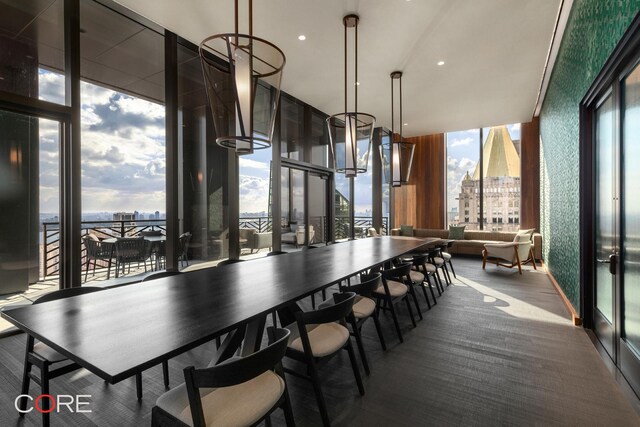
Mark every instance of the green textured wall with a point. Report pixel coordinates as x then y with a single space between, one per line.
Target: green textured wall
593 30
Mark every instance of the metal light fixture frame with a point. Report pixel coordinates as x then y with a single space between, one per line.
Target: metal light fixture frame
236 67
397 155
349 129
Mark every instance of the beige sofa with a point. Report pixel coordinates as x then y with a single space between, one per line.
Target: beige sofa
474 240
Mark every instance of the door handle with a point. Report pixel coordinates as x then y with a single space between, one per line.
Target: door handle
612 260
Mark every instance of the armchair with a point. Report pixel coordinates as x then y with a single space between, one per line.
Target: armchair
511 254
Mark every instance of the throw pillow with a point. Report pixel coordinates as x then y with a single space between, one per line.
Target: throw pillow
524 235
456 232
406 230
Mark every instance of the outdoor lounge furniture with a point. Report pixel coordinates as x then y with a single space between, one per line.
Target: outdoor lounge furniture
96 251
297 238
129 250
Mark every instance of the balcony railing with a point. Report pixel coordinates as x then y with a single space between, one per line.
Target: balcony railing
50 261
102 229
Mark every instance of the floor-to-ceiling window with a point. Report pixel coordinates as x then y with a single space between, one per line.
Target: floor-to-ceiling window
483 178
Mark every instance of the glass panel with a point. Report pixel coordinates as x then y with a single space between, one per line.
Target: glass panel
501 169
32 49
255 197
285 203
319 140
123 133
463 178
293 226
291 129
29 202
202 200
604 206
631 212
317 209
342 200
386 189
363 200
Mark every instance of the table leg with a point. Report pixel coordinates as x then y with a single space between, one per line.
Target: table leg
253 336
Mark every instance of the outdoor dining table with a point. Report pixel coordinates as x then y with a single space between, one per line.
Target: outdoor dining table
122 331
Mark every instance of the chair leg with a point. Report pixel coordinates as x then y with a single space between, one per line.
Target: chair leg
45 403
356 369
139 385
533 259
376 322
424 291
26 379
452 270
363 356
447 276
484 258
412 291
288 412
86 269
165 373
395 319
313 301
428 283
315 381
413 319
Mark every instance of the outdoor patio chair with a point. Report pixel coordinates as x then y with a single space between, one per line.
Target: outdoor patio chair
96 251
129 250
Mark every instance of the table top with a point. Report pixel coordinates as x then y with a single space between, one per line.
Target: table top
118 332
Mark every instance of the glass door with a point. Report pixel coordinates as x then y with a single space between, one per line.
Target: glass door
629 332
605 219
304 207
29 203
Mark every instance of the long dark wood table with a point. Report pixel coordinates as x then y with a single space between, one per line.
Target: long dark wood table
119 332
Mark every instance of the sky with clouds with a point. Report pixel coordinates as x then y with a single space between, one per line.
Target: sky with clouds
463 152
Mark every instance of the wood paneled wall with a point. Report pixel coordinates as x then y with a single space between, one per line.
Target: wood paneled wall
421 203
530 173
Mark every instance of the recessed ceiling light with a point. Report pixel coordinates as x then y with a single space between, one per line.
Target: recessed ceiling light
302 37
441 63
357 83
406 124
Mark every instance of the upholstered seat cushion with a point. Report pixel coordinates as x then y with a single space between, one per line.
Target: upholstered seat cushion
363 307
446 256
396 289
47 352
416 276
430 268
438 261
238 405
325 339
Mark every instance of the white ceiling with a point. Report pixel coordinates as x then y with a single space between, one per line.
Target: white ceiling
494 53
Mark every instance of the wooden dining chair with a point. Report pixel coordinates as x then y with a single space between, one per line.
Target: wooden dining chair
420 276
49 362
364 308
243 391
394 290
316 336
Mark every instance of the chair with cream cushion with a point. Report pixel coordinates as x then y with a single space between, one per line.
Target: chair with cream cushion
364 306
420 274
318 334
45 358
241 391
510 254
393 290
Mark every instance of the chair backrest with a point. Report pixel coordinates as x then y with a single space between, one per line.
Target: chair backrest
368 284
400 272
150 233
235 371
420 260
334 313
160 275
183 243
132 249
66 293
523 239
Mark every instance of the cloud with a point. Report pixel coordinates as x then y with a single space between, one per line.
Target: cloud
254 194
253 164
461 142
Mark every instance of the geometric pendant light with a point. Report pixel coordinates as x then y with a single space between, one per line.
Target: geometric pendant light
397 155
350 132
242 75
